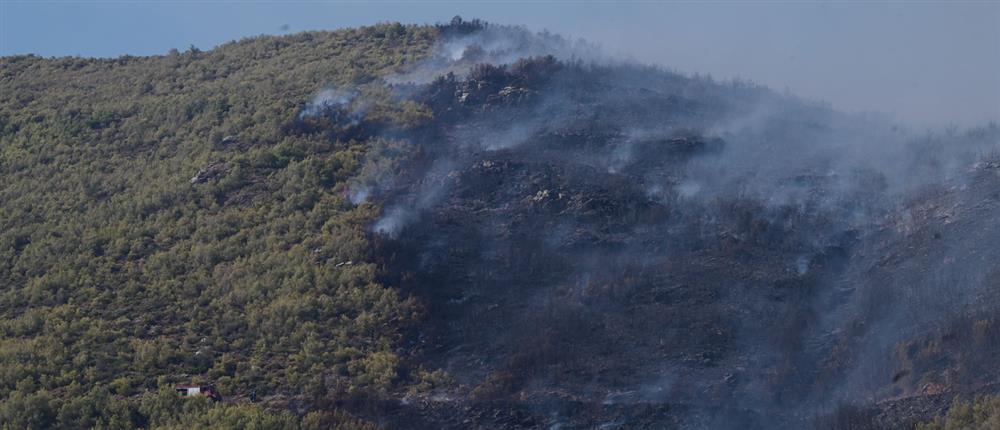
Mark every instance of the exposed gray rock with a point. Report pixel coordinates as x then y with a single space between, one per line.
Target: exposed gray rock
211 171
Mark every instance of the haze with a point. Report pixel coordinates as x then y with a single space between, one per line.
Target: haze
925 64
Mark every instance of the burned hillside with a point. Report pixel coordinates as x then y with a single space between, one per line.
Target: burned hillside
620 235
470 225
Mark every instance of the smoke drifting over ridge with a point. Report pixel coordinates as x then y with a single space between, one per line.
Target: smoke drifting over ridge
619 234
465 44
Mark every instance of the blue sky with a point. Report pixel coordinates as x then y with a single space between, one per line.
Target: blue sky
927 63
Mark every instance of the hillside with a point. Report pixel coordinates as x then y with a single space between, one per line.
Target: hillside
120 274
468 225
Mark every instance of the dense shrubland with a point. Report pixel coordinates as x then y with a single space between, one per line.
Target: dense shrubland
120 276
271 217
978 414
165 409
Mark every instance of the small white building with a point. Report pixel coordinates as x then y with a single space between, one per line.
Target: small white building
199 390
189 390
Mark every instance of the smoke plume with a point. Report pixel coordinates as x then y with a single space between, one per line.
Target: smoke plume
616 233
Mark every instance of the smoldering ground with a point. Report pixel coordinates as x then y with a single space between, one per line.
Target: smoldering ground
614 234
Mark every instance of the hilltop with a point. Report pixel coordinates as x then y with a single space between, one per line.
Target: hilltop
470 225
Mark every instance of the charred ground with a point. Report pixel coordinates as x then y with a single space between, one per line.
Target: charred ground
477 226
573 277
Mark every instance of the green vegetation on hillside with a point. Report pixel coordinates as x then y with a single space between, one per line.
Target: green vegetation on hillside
981 414
120 275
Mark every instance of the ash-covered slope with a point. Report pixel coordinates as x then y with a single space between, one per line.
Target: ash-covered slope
606 243
476 226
